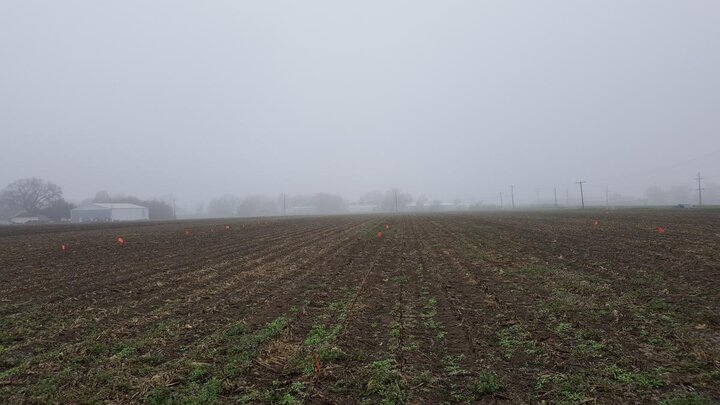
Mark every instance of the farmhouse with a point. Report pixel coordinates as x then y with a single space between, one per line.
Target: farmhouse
8 213
105 212
23 218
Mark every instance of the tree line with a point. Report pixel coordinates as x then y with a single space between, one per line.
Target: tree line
38 197
35 197
317 204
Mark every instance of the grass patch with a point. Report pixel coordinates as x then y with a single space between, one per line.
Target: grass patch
452 364
685 399
563 328
47 388
643 379
232 352
515 338
277 394
568 389
487 383
586 347
386 381
321 339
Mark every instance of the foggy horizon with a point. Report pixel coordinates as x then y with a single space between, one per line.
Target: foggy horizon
450 101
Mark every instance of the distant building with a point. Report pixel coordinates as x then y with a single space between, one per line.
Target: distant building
302 210
8 213
107 212
362 209
16 216
22 219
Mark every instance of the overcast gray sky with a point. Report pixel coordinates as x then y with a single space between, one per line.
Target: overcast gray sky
453 99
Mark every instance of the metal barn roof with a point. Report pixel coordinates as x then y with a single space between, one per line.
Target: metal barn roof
120 205
106 206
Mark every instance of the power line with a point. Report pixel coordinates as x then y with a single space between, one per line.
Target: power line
567 197
660 168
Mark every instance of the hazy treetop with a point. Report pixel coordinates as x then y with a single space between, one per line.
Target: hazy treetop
448 99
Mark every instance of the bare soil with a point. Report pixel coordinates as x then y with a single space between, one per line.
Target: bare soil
535 307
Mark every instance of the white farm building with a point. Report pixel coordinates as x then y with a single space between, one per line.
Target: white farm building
106 212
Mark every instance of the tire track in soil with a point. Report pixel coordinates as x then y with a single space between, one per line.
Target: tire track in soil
332 271
558 351
620 269
338 276
615 243
486 306
392 296
131 255
458 266
361 338
434 333
189 279
231 302
474 315
69 331
205 315
90 277
130 265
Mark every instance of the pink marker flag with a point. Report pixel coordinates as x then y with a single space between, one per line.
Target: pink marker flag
379 234
121 241
661 229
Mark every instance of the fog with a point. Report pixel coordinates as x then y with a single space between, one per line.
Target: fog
451 100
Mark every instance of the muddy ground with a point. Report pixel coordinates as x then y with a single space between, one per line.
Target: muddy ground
546 307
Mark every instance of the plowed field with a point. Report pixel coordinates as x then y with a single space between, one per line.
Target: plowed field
547 307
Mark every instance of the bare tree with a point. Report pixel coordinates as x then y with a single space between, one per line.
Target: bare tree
372 198
102 197
58 209
257 206
420 203
32 195
394 198
224 206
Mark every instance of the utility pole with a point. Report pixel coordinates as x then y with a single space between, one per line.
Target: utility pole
396 202
284 206
700 189
607 198
582 197
501 201
512 195
555 190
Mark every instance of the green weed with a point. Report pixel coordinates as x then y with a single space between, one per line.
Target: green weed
639 378
452 364
685 399
487 383
516 338
386 381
